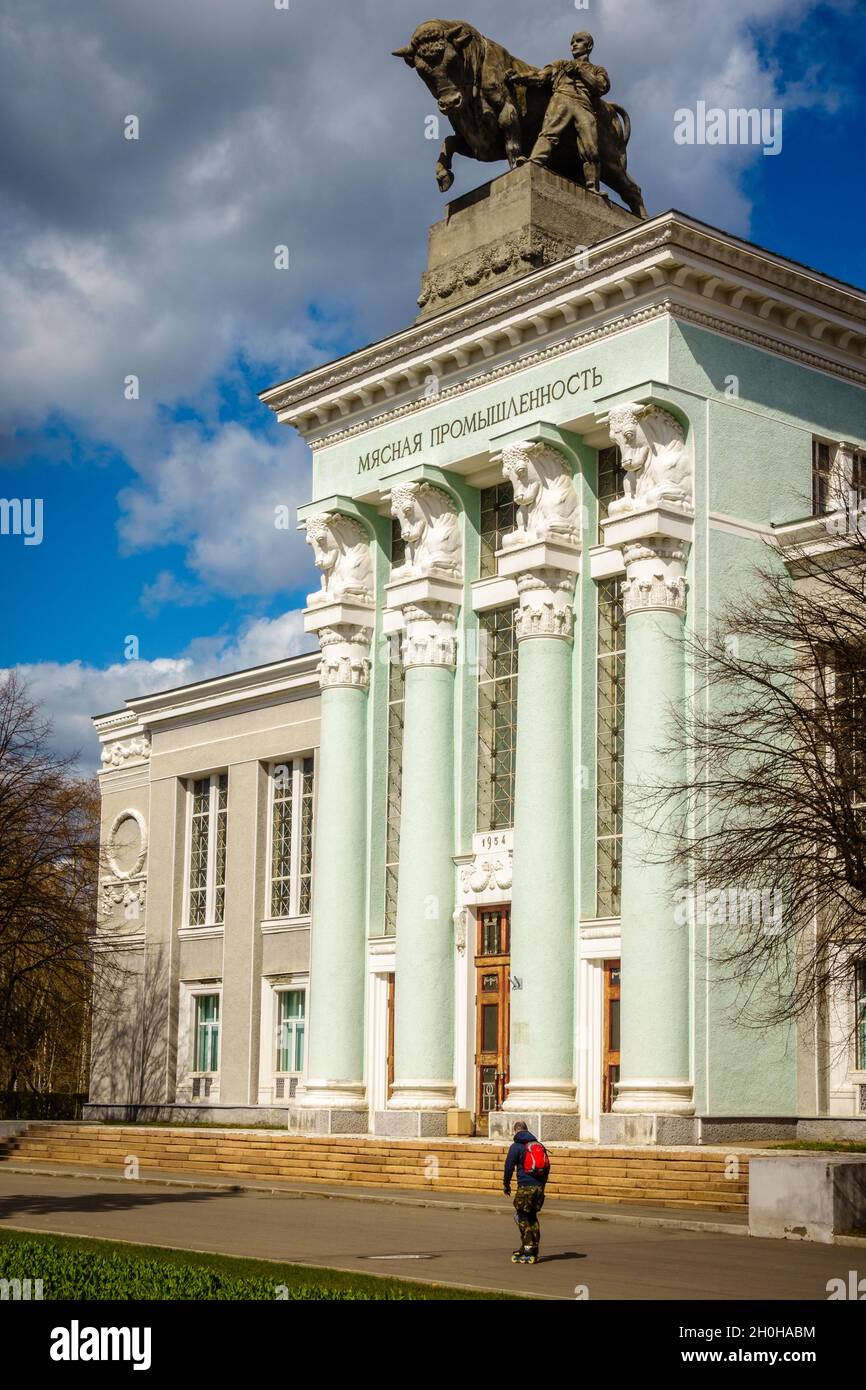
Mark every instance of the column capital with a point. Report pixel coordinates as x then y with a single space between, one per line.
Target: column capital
655 576
429 635
345 656
655 543
545 604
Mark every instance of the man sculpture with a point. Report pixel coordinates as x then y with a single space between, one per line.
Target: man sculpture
500 107
577 88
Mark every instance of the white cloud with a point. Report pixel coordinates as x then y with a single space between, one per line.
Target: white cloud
260 127
218 497
71 693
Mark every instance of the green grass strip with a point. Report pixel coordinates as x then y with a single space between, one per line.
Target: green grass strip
82 1269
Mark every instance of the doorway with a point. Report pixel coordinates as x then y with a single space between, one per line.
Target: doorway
611 1043
492 998
389 1045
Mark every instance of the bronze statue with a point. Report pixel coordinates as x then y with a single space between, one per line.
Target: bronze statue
503 108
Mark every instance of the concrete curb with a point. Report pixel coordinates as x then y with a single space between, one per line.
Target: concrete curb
614 1217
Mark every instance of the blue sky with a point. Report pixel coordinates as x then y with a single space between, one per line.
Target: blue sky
155 257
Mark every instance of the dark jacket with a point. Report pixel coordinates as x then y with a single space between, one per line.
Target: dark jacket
514 1159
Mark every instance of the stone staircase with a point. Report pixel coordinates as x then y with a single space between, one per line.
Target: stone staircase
694 1179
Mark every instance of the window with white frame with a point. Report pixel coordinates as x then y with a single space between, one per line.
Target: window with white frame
291 1025
860 1015
291 859
209 800
206 1034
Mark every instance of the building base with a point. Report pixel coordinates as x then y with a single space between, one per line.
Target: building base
411 1124
328 1120
648 1129
549 1126
192 1113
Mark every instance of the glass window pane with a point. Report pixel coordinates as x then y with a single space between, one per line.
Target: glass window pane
497 519
490 1028
497 719
610 690
396 692
610 482
207 1033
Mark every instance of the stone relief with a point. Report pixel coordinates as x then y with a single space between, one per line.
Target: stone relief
487 874
655 458
522 251
135 750
547 505
341 550
430 528
126 852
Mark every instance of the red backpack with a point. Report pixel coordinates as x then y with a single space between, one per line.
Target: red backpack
536 1159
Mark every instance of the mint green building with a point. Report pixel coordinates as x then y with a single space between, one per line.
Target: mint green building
521 506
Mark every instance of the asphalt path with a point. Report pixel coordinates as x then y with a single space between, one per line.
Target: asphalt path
468 1247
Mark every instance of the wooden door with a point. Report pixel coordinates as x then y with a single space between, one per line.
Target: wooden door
492 998
610 1054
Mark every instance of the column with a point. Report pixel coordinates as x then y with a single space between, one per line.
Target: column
333 1098
543 555
655 1067
541 1086
424 596
424 985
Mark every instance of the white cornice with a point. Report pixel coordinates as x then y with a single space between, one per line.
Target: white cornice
669 264
740 526
295 678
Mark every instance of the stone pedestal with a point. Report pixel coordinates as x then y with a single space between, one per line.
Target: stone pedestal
655 1089
525 219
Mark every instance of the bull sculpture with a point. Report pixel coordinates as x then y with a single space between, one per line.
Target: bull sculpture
496 105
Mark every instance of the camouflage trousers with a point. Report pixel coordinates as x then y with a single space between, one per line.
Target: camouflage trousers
528 1202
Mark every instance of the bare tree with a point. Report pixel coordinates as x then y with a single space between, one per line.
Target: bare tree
768 827
49 868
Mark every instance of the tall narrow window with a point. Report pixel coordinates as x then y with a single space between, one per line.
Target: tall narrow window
290 1030
396 694
497 519
610 482
207 1032
292 837
207 858
860 1016
398 545
822 500
609 753
497 718
858 477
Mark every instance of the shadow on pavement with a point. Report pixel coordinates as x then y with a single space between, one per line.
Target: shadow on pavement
33 1204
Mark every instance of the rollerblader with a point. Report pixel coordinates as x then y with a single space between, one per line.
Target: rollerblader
530 1160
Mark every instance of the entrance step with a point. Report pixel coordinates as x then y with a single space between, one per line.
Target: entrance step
701 1179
